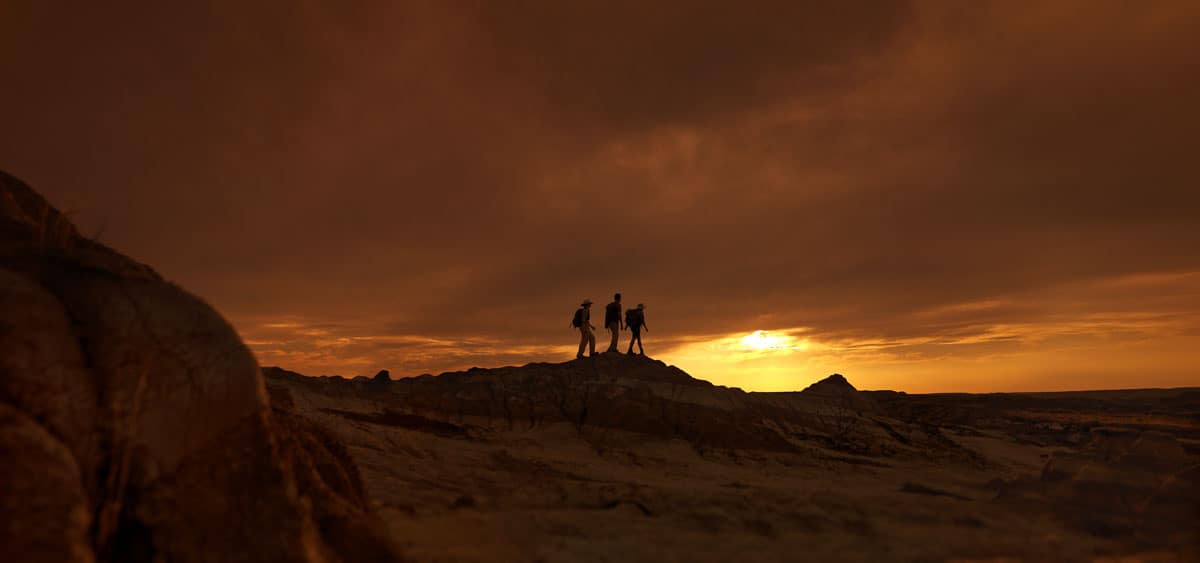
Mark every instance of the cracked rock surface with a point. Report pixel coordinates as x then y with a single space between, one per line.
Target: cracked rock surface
134 424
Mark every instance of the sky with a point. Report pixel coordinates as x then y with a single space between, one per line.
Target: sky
923 196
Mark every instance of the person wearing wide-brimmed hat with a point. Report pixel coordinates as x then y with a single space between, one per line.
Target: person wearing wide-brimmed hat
582 321
635 319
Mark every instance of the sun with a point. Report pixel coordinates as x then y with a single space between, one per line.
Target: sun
764 340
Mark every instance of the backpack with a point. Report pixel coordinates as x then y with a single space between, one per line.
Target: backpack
633 317
578 320
612 313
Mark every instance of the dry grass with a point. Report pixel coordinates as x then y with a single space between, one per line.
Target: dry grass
53 231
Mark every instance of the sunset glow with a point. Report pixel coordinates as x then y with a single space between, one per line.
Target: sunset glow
764 340
1101 334
916 195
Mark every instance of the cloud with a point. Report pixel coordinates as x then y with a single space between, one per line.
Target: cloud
912 177
622 67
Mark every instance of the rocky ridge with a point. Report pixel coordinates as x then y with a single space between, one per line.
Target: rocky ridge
635 394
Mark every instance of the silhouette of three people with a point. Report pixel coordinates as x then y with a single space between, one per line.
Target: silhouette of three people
634 320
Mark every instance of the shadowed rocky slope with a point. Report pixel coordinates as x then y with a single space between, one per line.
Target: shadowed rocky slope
134 425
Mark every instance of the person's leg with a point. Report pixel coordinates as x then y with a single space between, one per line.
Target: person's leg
614 328
641 350
583 338
591 343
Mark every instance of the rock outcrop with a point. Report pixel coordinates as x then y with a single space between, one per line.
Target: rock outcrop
835 390
1130 481
134 424
628 393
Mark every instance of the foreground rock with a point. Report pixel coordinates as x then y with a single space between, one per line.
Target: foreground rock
134 425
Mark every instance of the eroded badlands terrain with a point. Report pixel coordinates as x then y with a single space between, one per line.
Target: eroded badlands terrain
623 458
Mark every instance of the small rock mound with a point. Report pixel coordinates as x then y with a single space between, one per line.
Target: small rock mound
835 389
834 384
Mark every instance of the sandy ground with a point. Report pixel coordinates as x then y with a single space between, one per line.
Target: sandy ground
993 478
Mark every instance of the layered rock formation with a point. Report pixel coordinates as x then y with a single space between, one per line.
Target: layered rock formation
1130 481
134 425
636 394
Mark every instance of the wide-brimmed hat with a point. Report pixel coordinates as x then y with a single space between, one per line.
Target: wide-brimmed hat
640 306
586 302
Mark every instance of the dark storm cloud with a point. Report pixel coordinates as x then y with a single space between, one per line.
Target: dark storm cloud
466 173
640 65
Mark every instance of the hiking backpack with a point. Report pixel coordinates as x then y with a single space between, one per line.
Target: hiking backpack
578 320
612 313
633 317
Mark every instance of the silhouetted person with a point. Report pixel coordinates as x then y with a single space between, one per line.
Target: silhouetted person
583 322
612 320
635 319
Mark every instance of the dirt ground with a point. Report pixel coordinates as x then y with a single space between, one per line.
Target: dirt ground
460 472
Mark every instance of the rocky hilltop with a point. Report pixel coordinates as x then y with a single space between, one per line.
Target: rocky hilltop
627 393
